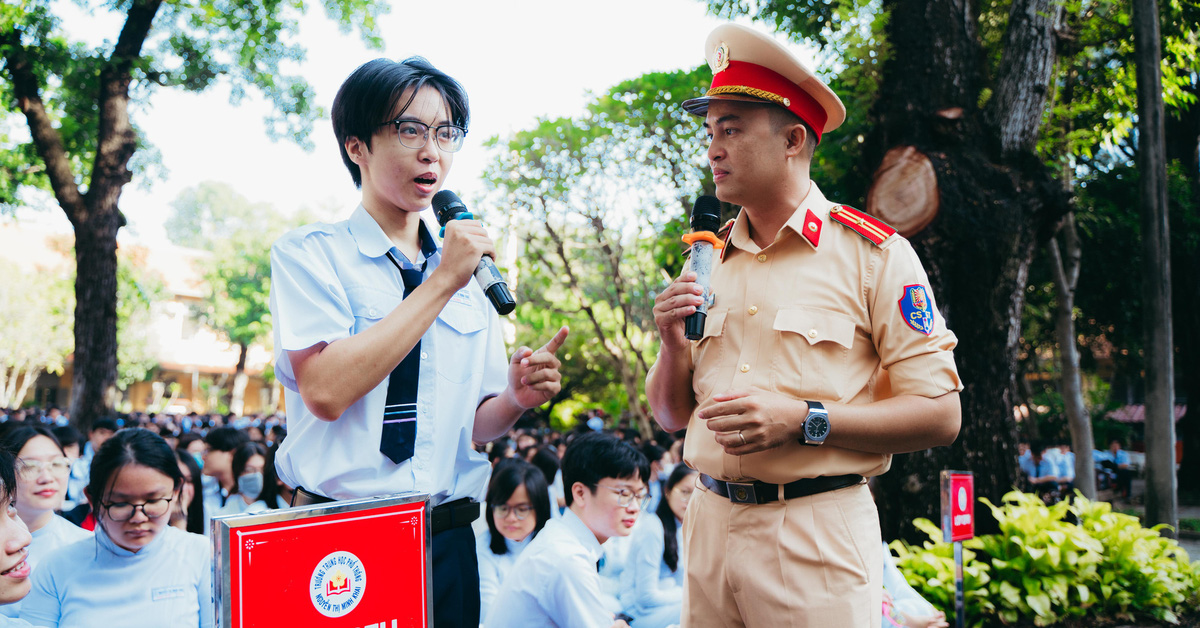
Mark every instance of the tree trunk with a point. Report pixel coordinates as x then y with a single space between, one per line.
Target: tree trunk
1161 500
237 393
998 203
1066 276
95 216
1183 145
95 372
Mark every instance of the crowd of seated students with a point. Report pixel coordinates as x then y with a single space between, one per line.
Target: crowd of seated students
145 500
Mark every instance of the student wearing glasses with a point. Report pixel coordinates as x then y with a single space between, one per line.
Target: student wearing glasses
652 581
138 571
391 356
555 581
42 471
518 507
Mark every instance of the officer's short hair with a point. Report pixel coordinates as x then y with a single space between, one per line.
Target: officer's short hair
595 456
781 118
370 95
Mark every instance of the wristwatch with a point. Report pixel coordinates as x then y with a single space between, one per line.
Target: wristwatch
816 424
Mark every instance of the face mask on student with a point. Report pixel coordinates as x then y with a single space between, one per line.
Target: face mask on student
199 459
250 484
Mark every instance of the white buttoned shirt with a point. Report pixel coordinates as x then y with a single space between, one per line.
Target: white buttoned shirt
331 281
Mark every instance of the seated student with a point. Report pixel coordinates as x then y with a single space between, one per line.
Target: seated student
1066 468
249 460
1041 473
138 572
1116 460
518 507
275 494
554 582
652 582
219 481
42 472
14 544
187 512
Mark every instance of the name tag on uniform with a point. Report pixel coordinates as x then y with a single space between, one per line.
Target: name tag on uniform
462 296
167 593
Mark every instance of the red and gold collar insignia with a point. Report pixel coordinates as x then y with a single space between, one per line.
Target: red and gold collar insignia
811 229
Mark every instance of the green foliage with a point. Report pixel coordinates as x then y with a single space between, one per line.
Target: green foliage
138 288
248 44
597 203
36 309
1043 567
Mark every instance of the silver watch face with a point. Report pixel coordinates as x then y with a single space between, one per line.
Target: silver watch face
816 427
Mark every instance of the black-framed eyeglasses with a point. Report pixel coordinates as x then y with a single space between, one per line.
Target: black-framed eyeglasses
625 496
153 509
521 511
29 469
414 134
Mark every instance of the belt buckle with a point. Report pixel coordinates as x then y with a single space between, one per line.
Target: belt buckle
741 492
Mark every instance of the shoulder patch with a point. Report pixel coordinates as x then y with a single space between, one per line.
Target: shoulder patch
862 223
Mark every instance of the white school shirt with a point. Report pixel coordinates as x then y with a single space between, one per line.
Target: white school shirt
57 532
94 582
494 568
554 582
331 281
904 597
647 584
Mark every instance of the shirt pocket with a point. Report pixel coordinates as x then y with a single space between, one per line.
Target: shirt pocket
461 343
812 349
709 351
369 305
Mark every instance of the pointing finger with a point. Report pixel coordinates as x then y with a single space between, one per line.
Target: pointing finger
557 341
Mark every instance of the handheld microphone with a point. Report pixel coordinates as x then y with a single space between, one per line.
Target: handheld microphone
706 220
447 206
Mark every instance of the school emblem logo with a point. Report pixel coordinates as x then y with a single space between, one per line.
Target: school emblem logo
914 305
337 584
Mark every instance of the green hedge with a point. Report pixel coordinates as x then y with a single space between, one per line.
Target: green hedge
1044 568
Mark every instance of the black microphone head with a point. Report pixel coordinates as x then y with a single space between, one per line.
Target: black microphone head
447 205
706 214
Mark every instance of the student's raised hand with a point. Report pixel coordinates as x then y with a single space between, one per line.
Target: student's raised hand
464 244
533 376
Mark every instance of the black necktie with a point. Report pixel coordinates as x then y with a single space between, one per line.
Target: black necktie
400 409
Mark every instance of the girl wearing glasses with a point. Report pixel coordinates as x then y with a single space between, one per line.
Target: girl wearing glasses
42 470
518 506
139 571
652 582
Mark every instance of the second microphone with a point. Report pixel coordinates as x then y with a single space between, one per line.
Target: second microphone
447 206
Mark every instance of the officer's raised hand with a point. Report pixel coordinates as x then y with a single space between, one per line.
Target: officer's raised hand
673 305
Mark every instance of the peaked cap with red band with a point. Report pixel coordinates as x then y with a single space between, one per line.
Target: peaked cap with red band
750 66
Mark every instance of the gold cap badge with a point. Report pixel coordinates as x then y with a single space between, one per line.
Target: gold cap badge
720 60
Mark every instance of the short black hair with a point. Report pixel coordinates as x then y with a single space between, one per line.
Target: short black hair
595 456
133 445
781 118
67 435
106 423
8 476
224 438
507 476
15 439
371 93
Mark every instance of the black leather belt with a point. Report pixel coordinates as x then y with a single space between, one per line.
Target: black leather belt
455 514
761 493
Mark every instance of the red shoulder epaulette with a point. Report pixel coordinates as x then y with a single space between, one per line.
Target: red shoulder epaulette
726 232
862 223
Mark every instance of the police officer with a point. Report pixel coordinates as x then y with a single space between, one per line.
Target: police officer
823 354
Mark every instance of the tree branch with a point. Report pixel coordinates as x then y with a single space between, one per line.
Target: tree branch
46 138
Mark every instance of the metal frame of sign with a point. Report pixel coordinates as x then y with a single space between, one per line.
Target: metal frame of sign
947 509
304 516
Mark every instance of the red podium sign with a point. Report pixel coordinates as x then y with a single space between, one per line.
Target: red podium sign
958 506
352 564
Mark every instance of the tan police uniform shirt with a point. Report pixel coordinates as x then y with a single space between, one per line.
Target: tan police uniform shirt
815 319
